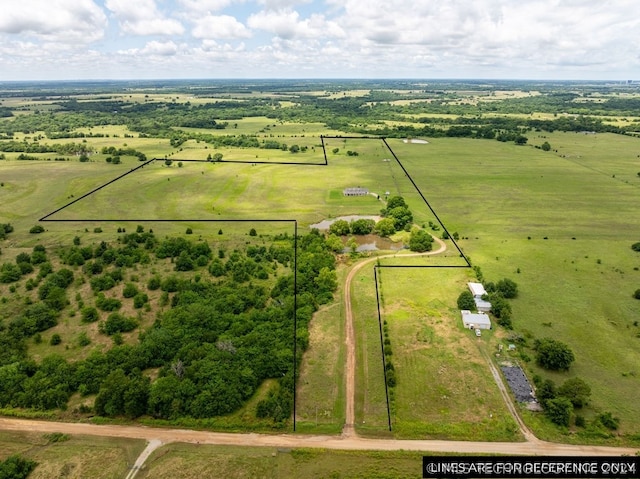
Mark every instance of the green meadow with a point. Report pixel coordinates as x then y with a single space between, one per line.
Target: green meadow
560 223
178 461
72 456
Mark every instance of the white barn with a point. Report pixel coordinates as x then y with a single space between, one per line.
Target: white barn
478 291
475 320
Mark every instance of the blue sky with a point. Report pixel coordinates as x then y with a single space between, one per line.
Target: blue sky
140 39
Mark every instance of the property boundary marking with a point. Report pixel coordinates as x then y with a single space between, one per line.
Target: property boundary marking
48 218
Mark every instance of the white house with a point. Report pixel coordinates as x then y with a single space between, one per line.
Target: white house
475 320
478 291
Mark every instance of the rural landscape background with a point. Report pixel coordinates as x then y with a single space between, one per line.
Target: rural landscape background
159 267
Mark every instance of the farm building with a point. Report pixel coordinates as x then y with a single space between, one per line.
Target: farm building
355 191
478 291
475 320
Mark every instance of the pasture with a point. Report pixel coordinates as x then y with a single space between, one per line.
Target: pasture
559 223
72 456
188 460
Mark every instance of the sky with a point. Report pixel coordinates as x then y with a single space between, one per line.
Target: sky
179 39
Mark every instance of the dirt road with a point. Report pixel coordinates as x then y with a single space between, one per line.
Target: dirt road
348 441
296 441
350 372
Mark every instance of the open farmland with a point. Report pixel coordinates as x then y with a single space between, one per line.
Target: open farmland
560 223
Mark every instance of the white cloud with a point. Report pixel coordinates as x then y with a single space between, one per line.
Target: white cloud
287 24
66 21
204 5
321 38
141 17
282 4
221 27
165 49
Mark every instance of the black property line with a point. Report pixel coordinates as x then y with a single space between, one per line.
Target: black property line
46 219
149 220
426 202
384 363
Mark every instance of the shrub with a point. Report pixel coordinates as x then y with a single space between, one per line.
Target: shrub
37 229
575 390
83 339
609 421
139 300
507 287
636 246
107 304
55 340
154 283
117 323
465 301
553 354
129 290
558 410
89 314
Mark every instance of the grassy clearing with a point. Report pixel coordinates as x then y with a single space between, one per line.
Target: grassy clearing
445 388
574 290
370 402
178 461
495 195
77 457
320 394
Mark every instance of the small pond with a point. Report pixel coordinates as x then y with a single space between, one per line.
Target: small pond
365 242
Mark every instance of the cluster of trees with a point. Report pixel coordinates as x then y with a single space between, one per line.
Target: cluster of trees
5 229
35 147
390 370
559 402
361 226
218 341
497 294
16 467
396 212
118 152
562 403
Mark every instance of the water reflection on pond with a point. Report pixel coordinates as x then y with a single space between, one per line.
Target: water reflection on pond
374 243
365 242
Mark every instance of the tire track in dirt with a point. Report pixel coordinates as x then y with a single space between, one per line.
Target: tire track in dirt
350 390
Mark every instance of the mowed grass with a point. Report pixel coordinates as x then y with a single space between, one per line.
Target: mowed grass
78 457
575 285
445 389
177 461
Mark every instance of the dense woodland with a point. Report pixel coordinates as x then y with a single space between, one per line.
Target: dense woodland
227 328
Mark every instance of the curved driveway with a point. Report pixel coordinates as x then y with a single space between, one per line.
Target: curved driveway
348 441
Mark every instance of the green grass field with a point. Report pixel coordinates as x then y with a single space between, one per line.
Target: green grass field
178 461
445 389
495 195
77 457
